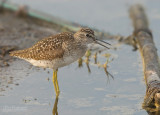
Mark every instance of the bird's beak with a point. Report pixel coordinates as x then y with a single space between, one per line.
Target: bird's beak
97 41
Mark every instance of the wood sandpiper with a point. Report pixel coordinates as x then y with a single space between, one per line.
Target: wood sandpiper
58 50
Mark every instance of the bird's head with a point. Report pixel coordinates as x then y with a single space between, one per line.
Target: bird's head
86 36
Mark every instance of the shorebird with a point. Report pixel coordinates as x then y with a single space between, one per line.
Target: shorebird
59 50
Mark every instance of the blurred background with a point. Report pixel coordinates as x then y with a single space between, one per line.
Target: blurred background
84 93
104 14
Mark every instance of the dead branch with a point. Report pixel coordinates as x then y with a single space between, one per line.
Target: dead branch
148 51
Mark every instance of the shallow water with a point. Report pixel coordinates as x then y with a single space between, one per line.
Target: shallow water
81 92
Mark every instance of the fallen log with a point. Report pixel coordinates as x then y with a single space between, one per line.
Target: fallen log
144 40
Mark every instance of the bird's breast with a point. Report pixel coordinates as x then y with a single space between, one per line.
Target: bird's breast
74 55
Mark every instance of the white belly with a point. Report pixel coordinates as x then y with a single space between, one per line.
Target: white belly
55 64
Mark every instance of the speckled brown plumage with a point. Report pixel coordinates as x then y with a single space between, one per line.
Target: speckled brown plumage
47 49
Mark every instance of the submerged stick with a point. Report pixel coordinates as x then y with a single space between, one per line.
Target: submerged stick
144 39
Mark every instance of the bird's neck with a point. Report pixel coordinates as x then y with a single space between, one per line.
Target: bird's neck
80 44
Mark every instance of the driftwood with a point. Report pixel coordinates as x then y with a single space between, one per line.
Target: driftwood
144 39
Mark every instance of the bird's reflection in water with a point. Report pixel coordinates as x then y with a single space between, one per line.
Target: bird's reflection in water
55 108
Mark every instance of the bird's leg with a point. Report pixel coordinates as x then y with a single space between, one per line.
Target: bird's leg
55 110
54 80
57 82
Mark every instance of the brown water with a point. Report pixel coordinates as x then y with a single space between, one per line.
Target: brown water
81 92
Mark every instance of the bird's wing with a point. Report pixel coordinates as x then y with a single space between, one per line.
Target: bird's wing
47 49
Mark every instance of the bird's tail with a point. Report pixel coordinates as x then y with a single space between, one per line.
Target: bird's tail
18 53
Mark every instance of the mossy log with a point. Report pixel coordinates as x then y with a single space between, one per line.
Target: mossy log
144 40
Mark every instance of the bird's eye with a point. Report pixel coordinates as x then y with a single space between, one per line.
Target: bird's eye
87 35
